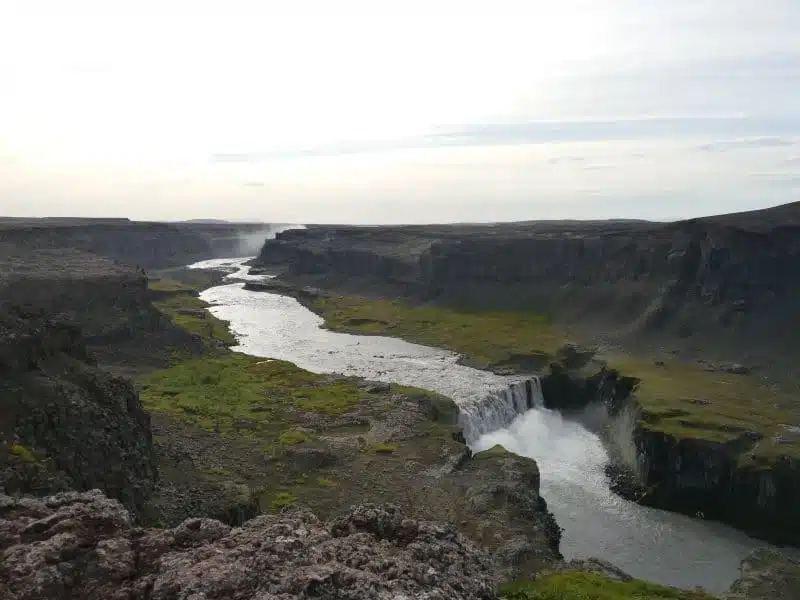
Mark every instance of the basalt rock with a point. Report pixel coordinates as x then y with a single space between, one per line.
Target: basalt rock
766 575
64 422
710 479
84 546
149 245
725 284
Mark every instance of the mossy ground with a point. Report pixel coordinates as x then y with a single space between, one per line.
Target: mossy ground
687 401
681 399
578 585
322 441
179 301
226 390
487 338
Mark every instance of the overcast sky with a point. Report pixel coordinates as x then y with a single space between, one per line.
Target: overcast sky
354 111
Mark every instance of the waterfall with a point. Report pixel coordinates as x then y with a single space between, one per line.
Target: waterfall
500 408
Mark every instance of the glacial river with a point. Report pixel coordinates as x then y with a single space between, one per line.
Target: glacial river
647 543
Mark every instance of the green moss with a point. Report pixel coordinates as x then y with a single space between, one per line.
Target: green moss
219 472
326 483
382 448
489 338
169 285
281 500
578 585
496 451
23 453
225 389
180 302
292 437
688 402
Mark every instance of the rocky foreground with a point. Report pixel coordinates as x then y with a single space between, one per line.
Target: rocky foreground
83 545
83 478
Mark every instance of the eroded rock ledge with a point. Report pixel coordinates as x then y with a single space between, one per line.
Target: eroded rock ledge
65 424
83 545
678 472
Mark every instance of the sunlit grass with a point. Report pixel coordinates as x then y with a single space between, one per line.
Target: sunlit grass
488 338
578 585
225 390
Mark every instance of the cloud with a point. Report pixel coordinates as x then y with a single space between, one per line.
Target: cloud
253 184
783 179
793 161
598 167
751 142
557 160
754 132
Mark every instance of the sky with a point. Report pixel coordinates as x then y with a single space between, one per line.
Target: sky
398 112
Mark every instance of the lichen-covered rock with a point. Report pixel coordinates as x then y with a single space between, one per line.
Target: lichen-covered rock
506 513
82 545
767 575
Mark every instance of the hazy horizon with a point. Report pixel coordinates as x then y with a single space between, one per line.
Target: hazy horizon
315 113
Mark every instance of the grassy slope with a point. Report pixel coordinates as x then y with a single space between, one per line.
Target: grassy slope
489 338
579 585
179 301
263 410
226 389
678 398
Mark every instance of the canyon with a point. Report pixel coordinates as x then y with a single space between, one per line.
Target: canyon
695 319
87 306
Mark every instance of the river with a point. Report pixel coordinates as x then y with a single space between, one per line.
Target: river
651 544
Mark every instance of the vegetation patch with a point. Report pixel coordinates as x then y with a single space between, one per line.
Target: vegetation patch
579 585
326 483
689 402
23 453
235 389
488 338
180 302
383 448
292 437
282 500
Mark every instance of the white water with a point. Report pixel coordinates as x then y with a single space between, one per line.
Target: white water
647 543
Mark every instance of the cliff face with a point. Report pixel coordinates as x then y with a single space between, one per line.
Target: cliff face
673 471
63 422
713 284
711 479
109 301
148 245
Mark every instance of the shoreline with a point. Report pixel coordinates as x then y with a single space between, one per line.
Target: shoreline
571 390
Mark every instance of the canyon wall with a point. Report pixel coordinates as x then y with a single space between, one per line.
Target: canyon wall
147 245
721 289
65 424
677 472
712 480
717 289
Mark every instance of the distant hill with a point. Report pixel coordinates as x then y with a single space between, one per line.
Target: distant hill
206 221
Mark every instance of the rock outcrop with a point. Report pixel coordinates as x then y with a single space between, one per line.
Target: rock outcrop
149 245
691 475
83 545
725 284
109 301
709 479
766 575
65 423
